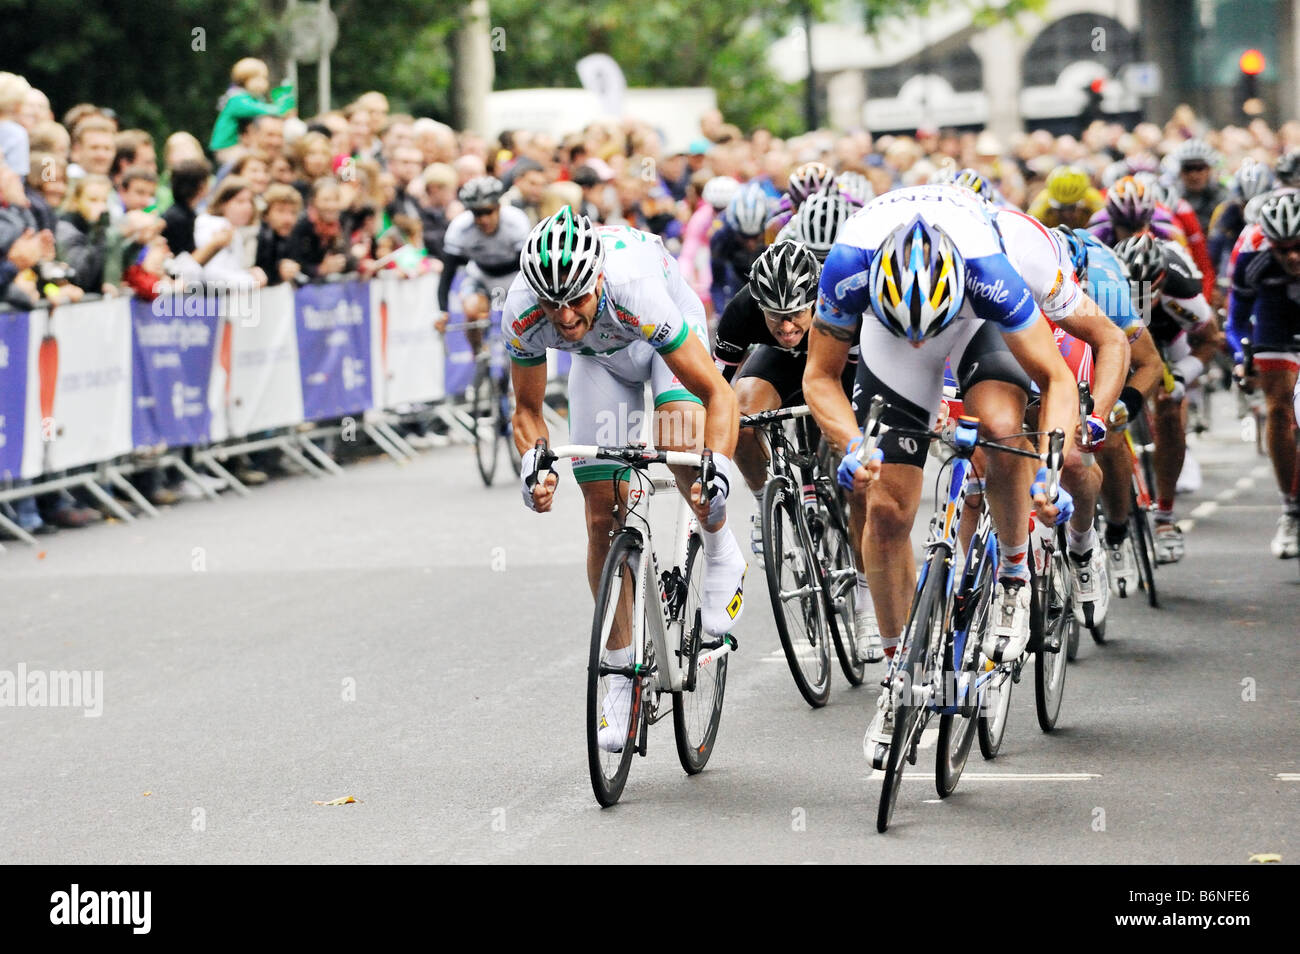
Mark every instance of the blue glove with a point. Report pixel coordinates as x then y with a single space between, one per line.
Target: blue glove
849 463
1096 430
1064 503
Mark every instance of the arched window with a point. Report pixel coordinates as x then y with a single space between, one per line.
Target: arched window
960 67
1080 36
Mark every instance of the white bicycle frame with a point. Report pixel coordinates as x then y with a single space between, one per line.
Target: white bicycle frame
669 676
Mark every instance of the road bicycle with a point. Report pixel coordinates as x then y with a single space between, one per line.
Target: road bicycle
807 555
675 666
938 668
490 402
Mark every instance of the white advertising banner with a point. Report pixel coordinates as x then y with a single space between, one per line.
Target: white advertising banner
86 351
406 353
256 384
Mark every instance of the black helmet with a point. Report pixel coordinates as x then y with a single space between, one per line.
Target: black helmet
784 277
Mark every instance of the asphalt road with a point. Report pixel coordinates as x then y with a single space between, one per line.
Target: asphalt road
406 637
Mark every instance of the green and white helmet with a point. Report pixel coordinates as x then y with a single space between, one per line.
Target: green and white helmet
562 257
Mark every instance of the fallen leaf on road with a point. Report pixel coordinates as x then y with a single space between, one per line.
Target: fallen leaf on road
345 800
1267 859
147 794
41 555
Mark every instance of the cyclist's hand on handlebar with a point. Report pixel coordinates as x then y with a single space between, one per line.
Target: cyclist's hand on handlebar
1096 433
440 322
538 494
712 513
852 474
1050 512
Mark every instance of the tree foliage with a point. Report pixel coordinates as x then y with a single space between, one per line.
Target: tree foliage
162 64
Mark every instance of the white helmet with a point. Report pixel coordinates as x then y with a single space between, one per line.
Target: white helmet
562 257
748 210
819 219
719 191
856 186
1195 151
1279 217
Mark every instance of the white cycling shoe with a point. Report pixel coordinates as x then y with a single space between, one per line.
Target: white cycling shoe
866 634
1091 588
1170 547
1121 569
724 582
1286 542
880 733
616 710
1008 635
756 537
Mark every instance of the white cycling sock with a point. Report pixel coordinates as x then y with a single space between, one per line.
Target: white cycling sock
619 657
862 596
1080 543
718 543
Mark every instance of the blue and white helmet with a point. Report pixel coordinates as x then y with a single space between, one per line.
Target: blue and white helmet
748 211
1253 178
916 281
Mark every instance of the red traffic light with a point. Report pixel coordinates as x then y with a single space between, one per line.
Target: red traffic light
1252 62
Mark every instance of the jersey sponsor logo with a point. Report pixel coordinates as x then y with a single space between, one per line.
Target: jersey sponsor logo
852 283
660 336
625 316
908 444
995 292
526 320
648 330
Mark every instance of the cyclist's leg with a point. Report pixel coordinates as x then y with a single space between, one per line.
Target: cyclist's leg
996 389
1278 378
1169 430
476 302
758 388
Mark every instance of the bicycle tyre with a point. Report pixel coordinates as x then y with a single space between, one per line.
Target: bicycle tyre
506 398
958 731
609 770
841 610
927 612
485 411
1144 546
697 714
785 552
1050 612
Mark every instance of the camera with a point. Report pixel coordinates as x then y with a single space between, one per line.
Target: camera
55 272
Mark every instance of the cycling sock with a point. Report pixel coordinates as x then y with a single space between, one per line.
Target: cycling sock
1290 505
890 643
1165 515
863 596
618 657
718 543
1116 533
1165 505
1012 562
1080 544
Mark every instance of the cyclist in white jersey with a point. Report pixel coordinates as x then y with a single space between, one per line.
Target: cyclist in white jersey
485 240
916 260
613 298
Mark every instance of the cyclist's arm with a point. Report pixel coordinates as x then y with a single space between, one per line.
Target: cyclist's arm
530 390
450 264
1110 349
690 363
731 343
1241 306
828 351
1148 366
1035 349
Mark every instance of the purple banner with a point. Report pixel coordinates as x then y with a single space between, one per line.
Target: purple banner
14 342
172 360
460 357
334 349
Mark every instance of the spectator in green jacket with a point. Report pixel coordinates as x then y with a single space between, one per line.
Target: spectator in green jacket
244 100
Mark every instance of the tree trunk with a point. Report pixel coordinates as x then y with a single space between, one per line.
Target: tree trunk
473 70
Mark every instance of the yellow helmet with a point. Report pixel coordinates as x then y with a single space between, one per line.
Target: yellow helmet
1067 185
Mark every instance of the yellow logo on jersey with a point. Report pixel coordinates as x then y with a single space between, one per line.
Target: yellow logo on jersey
647 330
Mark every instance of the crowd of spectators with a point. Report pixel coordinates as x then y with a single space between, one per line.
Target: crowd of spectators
89 207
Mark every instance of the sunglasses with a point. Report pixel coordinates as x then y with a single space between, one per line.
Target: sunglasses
573 302
482 213
1196 167
1286 248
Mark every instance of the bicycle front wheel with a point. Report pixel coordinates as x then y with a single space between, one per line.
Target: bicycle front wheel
697 713
485 409
957 730
612 696
794 586
1143 542
995 712
924 629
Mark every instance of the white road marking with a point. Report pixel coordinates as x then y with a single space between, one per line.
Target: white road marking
1201 511
927 776
1287 776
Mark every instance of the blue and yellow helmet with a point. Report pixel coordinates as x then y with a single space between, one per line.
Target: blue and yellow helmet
917 281
1075 249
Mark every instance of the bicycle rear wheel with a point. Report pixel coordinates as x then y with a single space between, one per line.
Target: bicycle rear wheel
995 712
923 626
1049 615
615 603
506 398
836 555
957 730
793 585
1143 542
696 714
485 409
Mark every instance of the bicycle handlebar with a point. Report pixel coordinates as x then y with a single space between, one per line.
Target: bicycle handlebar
633 455
780 414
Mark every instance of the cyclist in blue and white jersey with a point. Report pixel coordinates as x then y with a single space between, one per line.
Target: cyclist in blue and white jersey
929 265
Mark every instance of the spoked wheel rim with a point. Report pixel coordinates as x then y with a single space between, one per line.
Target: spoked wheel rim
609 770
487 426
841 580
697 714
995 706
797 603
